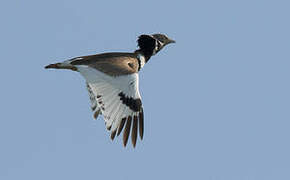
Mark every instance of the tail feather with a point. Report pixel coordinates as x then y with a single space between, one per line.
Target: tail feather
61 66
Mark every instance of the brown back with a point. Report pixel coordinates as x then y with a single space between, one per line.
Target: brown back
113 64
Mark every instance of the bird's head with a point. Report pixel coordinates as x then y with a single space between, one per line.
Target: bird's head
152 44
161 41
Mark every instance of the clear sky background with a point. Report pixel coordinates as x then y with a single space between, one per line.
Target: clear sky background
217 103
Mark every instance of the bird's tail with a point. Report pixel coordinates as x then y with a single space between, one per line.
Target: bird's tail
63 65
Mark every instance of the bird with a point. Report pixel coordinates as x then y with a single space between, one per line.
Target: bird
112 82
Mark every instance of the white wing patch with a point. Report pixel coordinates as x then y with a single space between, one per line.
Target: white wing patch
118 100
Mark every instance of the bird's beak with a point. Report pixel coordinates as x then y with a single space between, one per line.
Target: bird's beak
171 41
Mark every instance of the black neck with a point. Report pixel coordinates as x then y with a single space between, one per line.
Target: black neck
147 45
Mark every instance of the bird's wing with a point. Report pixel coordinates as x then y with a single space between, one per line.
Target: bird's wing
94 104
119 100
113 64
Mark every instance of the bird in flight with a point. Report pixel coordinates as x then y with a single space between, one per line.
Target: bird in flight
113 84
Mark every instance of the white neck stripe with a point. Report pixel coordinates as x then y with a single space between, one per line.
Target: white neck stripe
141 60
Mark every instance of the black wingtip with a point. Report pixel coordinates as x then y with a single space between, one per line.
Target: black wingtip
134 131
141 124
127 131
121 126
113 134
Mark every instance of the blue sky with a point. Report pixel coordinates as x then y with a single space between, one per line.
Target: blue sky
216 102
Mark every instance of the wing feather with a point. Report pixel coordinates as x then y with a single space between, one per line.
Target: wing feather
118 100
134 130
127 131
121 126
141 124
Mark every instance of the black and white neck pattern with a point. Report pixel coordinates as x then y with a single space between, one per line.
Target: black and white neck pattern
147 46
